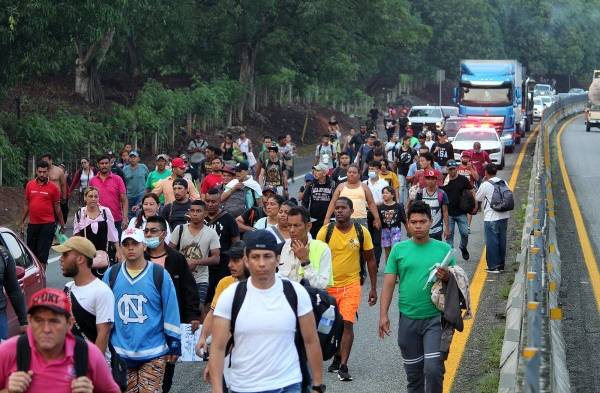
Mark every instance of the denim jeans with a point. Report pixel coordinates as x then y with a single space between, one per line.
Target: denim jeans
403 189
294 388
3 326
495 242
463 229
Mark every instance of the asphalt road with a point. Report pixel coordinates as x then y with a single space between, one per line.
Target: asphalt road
581 323
374 364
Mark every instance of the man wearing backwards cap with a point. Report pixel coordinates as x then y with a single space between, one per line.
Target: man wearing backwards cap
268 361
93 302
146 333
165 186
52 347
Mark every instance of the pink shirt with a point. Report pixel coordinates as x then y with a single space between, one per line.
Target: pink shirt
56 376
84 221
110 191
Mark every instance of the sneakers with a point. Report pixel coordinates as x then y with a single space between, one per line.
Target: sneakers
465 254
334 367
493 271
343 374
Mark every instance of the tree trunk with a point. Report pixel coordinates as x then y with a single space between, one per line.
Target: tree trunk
134 59
87 77
247 65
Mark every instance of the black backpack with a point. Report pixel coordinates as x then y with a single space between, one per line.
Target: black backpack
80 360
466 204
503 199
361 240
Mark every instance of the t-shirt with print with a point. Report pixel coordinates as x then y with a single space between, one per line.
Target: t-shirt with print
392 216
444 152
325 154
196 247
412 263
345 254
264 357
436 207
405 158
274 173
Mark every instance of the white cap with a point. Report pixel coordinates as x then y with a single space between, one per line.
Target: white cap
133 233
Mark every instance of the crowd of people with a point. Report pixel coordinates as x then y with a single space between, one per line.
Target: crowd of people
189 240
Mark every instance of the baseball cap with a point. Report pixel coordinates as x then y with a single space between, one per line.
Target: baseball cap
269 189
273 148
162 157
309 177
442 133
110 153
79 244
133 233
452 164
178 163
422 135
52 298
236 250
466 153
320 167
430 173
261 240
134 153
372 135
228 169
241 166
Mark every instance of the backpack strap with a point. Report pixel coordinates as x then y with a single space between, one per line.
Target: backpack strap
329 232
292 298
158 277
23 353
236 305
359 234
114 272
80 357
179 235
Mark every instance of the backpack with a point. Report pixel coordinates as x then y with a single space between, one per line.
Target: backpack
466 204
320 299
80 360
503 199
361 239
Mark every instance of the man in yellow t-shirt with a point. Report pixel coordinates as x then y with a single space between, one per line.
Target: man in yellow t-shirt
239 271
345 255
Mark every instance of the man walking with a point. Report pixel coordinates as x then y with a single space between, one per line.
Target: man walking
268 361
159 173
325 153
495 223
56 175
135 178
457 188
420 324
112 193
196 148
176 212
42 199
479 159
317 196
348 243
437 200
165 186
146 333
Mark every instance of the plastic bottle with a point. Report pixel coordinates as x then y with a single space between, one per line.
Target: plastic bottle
326 322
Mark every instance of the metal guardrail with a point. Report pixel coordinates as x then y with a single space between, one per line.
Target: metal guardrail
533 352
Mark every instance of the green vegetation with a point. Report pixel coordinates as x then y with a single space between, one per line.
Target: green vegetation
488 382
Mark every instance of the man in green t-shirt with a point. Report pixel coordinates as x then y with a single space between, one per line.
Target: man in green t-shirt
159 173
420 324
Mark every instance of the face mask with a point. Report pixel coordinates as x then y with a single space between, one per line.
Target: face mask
372 175
152 242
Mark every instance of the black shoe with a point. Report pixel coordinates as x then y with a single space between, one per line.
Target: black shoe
493 271
335 365
343 374
465 254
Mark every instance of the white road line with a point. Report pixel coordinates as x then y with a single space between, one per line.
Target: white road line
55 259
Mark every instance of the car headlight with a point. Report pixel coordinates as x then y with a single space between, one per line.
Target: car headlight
507 137
492 151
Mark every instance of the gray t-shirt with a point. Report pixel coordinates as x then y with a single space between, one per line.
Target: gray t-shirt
196 247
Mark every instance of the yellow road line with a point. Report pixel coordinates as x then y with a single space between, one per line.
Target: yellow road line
459 341
584 239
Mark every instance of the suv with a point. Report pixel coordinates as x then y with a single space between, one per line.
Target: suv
30 273
423 118
592 117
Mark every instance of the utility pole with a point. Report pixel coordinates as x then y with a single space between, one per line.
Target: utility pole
441 76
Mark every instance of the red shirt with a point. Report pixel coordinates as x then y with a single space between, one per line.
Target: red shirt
420 179
40 200
55 376
466 172
478 160
210 181
109 192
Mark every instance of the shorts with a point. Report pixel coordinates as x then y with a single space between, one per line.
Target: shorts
148 377
202 291
390 236
348 300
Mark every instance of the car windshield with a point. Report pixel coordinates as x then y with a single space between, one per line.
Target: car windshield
595 108
541 89
546 100
486 96
475 136
425 112
537 101
450 111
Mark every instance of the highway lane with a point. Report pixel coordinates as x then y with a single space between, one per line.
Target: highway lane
375 364
581 322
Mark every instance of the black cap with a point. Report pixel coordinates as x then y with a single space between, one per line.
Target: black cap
237 249
241 166
261 240
422 135
273 148
442 133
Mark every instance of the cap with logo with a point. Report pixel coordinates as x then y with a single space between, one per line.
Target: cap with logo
52 298
134 153
236 250
133 233
320 167
452 164
79 244
430 173
178 163
162 157
241 166
442 133
261 240
273 148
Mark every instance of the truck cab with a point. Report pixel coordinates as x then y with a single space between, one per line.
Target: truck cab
592 117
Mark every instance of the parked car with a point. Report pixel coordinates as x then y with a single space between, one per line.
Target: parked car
30 272
592 117
576 90
487 136
547 101
423 118
543 90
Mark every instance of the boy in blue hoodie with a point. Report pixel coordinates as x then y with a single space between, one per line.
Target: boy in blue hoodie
146 330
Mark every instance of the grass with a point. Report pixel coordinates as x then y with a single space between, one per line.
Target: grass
504 290
488 382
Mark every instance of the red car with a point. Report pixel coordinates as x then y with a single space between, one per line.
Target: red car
30 273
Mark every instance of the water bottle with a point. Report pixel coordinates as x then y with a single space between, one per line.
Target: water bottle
326 322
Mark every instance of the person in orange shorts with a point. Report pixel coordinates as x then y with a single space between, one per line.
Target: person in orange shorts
345 245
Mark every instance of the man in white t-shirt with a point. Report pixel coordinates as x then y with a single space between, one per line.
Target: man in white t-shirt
375 183
92 301
199 245
264 356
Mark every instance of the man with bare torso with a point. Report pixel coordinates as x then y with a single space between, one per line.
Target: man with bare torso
57 176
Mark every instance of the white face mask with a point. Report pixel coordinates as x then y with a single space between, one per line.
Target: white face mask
372 175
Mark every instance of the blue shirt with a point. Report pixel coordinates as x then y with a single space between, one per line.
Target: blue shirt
135 179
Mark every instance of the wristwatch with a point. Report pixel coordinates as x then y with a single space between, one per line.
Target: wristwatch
319 388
